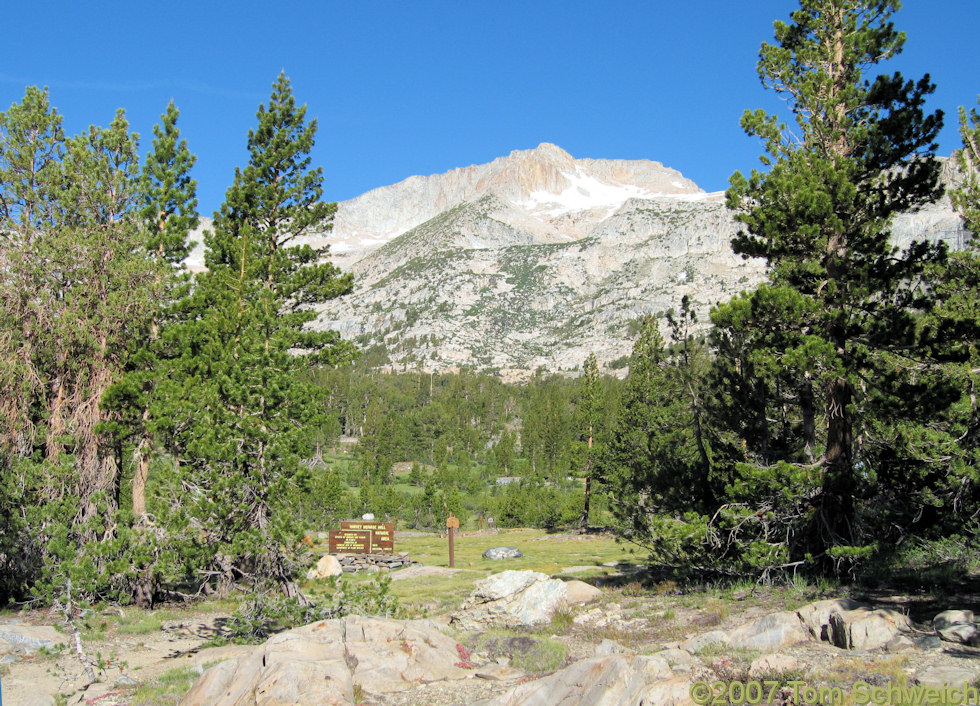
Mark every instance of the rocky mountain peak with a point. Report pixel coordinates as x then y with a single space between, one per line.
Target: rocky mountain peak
537 258
546 183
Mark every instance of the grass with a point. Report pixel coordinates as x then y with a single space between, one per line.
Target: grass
870 669
549 656
534 655
542 552
168 688
546 553
99 626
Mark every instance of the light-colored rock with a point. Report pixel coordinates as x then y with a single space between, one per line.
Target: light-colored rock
615 680
539 602
699 642
321 662
952 617
676 657
505 584
609 647
498 553
816 616
579 593
511 599
772 665
543 242
28 639
940 676
867 629
393 654
327 566
899 643
770 632
962 633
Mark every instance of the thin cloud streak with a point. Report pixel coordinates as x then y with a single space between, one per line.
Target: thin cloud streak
136 87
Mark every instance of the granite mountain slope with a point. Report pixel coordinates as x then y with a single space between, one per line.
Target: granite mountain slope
537 258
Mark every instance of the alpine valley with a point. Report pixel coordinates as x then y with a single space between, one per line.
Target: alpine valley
537 258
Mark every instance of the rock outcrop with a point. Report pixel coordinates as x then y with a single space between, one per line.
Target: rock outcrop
327 662
614 680
538 258
29 639
864 629
355 659
498 553
511 599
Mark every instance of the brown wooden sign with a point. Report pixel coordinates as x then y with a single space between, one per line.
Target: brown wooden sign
363 537
350 542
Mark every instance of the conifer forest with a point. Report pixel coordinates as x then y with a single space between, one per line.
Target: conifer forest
166 436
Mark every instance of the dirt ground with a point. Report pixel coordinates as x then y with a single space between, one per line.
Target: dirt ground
642 619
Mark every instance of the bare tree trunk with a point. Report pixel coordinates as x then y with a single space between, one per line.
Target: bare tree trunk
140 477
836 510
144 592
707 496
584 523
809 424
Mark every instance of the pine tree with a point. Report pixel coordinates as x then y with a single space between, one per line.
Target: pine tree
956 322
819 214
658 463
166 214
169 193
966 197
247 415
77 288
588 419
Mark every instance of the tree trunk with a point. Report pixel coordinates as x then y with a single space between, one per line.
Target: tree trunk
707 496
144 592
809 423
140 477
835 513
584 523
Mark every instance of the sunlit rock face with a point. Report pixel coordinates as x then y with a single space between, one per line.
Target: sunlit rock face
537 259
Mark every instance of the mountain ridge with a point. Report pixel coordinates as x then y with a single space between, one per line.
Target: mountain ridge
548 259
536 259
545 182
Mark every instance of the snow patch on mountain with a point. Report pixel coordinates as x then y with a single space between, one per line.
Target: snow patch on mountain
584 193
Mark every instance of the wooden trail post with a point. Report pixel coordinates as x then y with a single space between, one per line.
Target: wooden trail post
452 524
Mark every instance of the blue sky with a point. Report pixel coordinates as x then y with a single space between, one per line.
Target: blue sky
421 87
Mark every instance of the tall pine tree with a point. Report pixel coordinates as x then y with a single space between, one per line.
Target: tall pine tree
166 214
589 407
819 213
966 196
77 289
656 467
247 415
